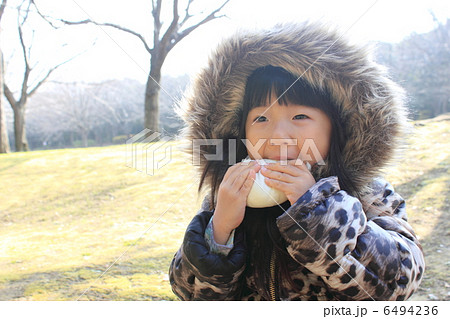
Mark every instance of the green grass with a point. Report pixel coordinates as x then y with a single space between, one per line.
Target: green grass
67 215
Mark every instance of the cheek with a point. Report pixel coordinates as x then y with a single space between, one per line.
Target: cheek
318 140
324 147
323 133
325 138
249 135
253 133
255 143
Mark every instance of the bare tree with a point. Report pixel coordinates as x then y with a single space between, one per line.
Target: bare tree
115 107
78 109
68 107
163 42
421 62
4 141
28 87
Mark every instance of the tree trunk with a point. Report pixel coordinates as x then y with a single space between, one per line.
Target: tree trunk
4 141
152 96
19 129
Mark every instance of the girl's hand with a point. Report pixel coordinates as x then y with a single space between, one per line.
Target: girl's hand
232 198
291 178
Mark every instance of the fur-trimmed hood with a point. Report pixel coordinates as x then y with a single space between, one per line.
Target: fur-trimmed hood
372 105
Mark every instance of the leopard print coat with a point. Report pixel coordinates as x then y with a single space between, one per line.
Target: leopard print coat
342 247
339 252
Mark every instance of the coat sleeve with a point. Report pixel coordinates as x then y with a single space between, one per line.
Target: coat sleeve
198 274
372 255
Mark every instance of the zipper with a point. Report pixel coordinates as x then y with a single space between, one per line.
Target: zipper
272 276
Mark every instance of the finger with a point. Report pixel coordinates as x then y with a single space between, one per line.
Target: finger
297 163
277 184
279 175
239 177
301 164
236 169
246 187
288 168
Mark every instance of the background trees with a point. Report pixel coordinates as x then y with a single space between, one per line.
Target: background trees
82 114
164 36
86 114
163 41
34 72
421 64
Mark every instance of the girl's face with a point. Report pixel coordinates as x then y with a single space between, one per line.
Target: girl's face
281 132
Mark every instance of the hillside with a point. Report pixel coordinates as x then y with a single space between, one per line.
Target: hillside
67 216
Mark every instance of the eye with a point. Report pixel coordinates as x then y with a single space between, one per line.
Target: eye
260 119
300 117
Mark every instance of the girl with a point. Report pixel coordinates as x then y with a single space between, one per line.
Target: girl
342 234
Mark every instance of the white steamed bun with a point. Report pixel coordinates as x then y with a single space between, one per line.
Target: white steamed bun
262 195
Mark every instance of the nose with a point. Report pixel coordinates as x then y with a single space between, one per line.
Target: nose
281 134
283 141
282 145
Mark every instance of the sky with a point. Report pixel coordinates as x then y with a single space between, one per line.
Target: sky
118 55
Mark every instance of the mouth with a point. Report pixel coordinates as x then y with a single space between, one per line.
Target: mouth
281 158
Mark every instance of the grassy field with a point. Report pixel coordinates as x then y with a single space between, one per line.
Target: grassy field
81 224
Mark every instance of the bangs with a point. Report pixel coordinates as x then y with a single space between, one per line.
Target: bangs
269 81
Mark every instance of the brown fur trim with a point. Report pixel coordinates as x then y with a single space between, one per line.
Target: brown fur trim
372 105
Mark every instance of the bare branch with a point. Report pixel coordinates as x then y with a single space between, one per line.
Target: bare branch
2 8
44 17
9 95
33 32
187 16
172 29
156 13
112 25
138 35
26 75
75 22
25 93
178 37
32 91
